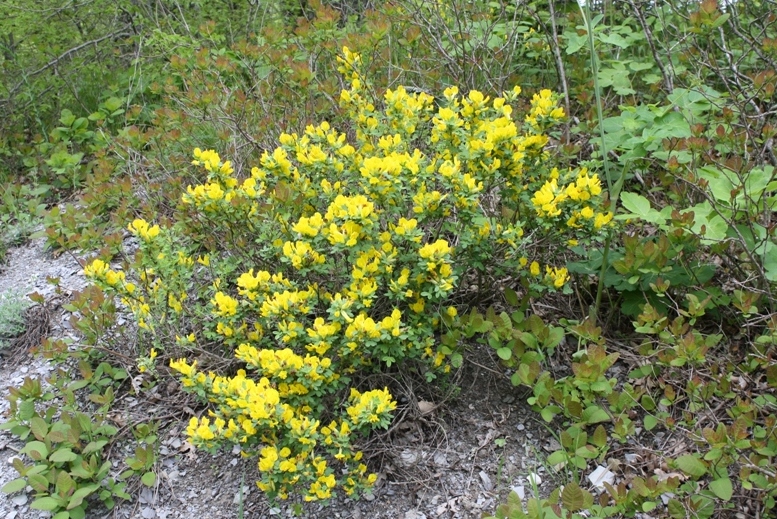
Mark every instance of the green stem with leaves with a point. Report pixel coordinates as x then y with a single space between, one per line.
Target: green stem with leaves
614 190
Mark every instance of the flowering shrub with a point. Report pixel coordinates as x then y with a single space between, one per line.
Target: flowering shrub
337 256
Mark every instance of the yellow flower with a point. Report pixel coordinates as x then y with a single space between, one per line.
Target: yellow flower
140 228
534 268
557 276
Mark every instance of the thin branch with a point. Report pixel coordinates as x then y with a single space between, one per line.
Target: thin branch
668 82
63 56
562 76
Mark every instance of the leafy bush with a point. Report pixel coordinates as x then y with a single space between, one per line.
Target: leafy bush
332 260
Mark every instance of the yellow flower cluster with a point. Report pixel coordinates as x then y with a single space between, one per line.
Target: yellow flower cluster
142 229
344 253
216 196
255 414
544 110
372 407
577 200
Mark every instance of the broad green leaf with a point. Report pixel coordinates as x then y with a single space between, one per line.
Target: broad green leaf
38 482
79 495
39 427
649 422
639 206
148 479
691 465
599 437
62 515
511 297
637 66
720 20
36 450
45 503
722 488
614 39
94 446
504 353
557 458
572 497
549 412
676 509
62 456
14 486
595 414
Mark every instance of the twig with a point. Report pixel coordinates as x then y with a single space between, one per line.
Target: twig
562 76
65 55
649 36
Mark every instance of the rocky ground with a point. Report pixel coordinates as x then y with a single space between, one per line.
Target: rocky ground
448 457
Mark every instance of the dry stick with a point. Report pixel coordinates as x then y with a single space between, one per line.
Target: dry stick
562 76
649 36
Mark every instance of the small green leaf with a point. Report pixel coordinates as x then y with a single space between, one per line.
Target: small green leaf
572 497
62 456
94 446
691 465
722 488
36 450
39 427
639 206
676 509
549 412
148 479
511 297
14 486
647 506
720 20
649 422
595 414
38 482
79 495
504 353
556 458
45 503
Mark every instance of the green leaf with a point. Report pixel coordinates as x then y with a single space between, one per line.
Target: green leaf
504 353
649 422
148 479
639 206
676 509
14 486
722 488
572 497
594 414
614 39
62 515
647 506
39 427
691 465
36 450
79 495
720 20
62 456
45 503
94 446
38 482
549 412
556 458
511 297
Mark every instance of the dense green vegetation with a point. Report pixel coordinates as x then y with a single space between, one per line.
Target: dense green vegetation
326 190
